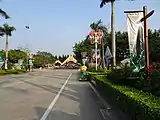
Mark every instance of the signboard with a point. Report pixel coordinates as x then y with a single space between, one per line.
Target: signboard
30 62
108 53
94 55
1 61
136 41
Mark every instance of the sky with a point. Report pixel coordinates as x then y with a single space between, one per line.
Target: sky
55 25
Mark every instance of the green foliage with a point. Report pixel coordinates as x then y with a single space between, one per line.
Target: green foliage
15 55
7 30
103 2
137 104
11 71
120 76
154 43
2 72
122 46
43 58
154 82
4 14
83 46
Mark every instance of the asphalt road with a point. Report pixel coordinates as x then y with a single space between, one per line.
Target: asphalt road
48 95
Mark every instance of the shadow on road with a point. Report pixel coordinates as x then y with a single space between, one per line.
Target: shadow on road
4 82
84 97
18 90
56 114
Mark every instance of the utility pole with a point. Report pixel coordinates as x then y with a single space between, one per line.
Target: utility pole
113 35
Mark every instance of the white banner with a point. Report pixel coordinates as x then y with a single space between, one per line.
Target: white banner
135 27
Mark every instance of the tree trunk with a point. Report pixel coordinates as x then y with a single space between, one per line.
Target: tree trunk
103 60
113 34
6 51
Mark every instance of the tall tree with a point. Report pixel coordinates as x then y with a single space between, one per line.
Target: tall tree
7 30
82 46
96 26
103 2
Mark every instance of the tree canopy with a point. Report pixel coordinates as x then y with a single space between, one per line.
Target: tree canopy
122 45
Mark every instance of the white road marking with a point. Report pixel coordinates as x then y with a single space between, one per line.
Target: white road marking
102 100
104 112
45 115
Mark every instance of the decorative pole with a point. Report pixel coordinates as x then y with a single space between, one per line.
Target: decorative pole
96 39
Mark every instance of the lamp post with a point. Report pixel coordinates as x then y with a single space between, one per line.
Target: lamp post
95 37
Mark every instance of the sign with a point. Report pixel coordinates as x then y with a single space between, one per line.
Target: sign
30 62
136 40
108 53
108 57
95 37
1 62
94 54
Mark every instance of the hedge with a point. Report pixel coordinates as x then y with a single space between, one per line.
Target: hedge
11 71
137 104
92 74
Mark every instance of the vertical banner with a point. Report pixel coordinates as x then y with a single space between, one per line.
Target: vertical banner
136 41
108 57
2 61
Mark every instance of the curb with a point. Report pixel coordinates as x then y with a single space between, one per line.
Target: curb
111 113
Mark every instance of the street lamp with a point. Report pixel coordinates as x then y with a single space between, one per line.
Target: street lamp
95 37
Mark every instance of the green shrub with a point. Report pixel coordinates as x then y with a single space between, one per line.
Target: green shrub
154 82
120 76
21 70
137 104
2 72
12 71
94 70
92 74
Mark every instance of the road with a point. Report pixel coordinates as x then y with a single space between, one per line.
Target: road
48 95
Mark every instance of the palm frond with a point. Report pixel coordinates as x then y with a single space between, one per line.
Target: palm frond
103 2
95 25
7 29
4 14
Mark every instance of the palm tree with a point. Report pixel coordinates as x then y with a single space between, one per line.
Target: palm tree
103 2
7 30
4 14
96 26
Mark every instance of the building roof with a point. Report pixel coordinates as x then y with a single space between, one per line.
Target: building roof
58 61
70 59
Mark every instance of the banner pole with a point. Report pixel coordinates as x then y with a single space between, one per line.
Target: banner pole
96 53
